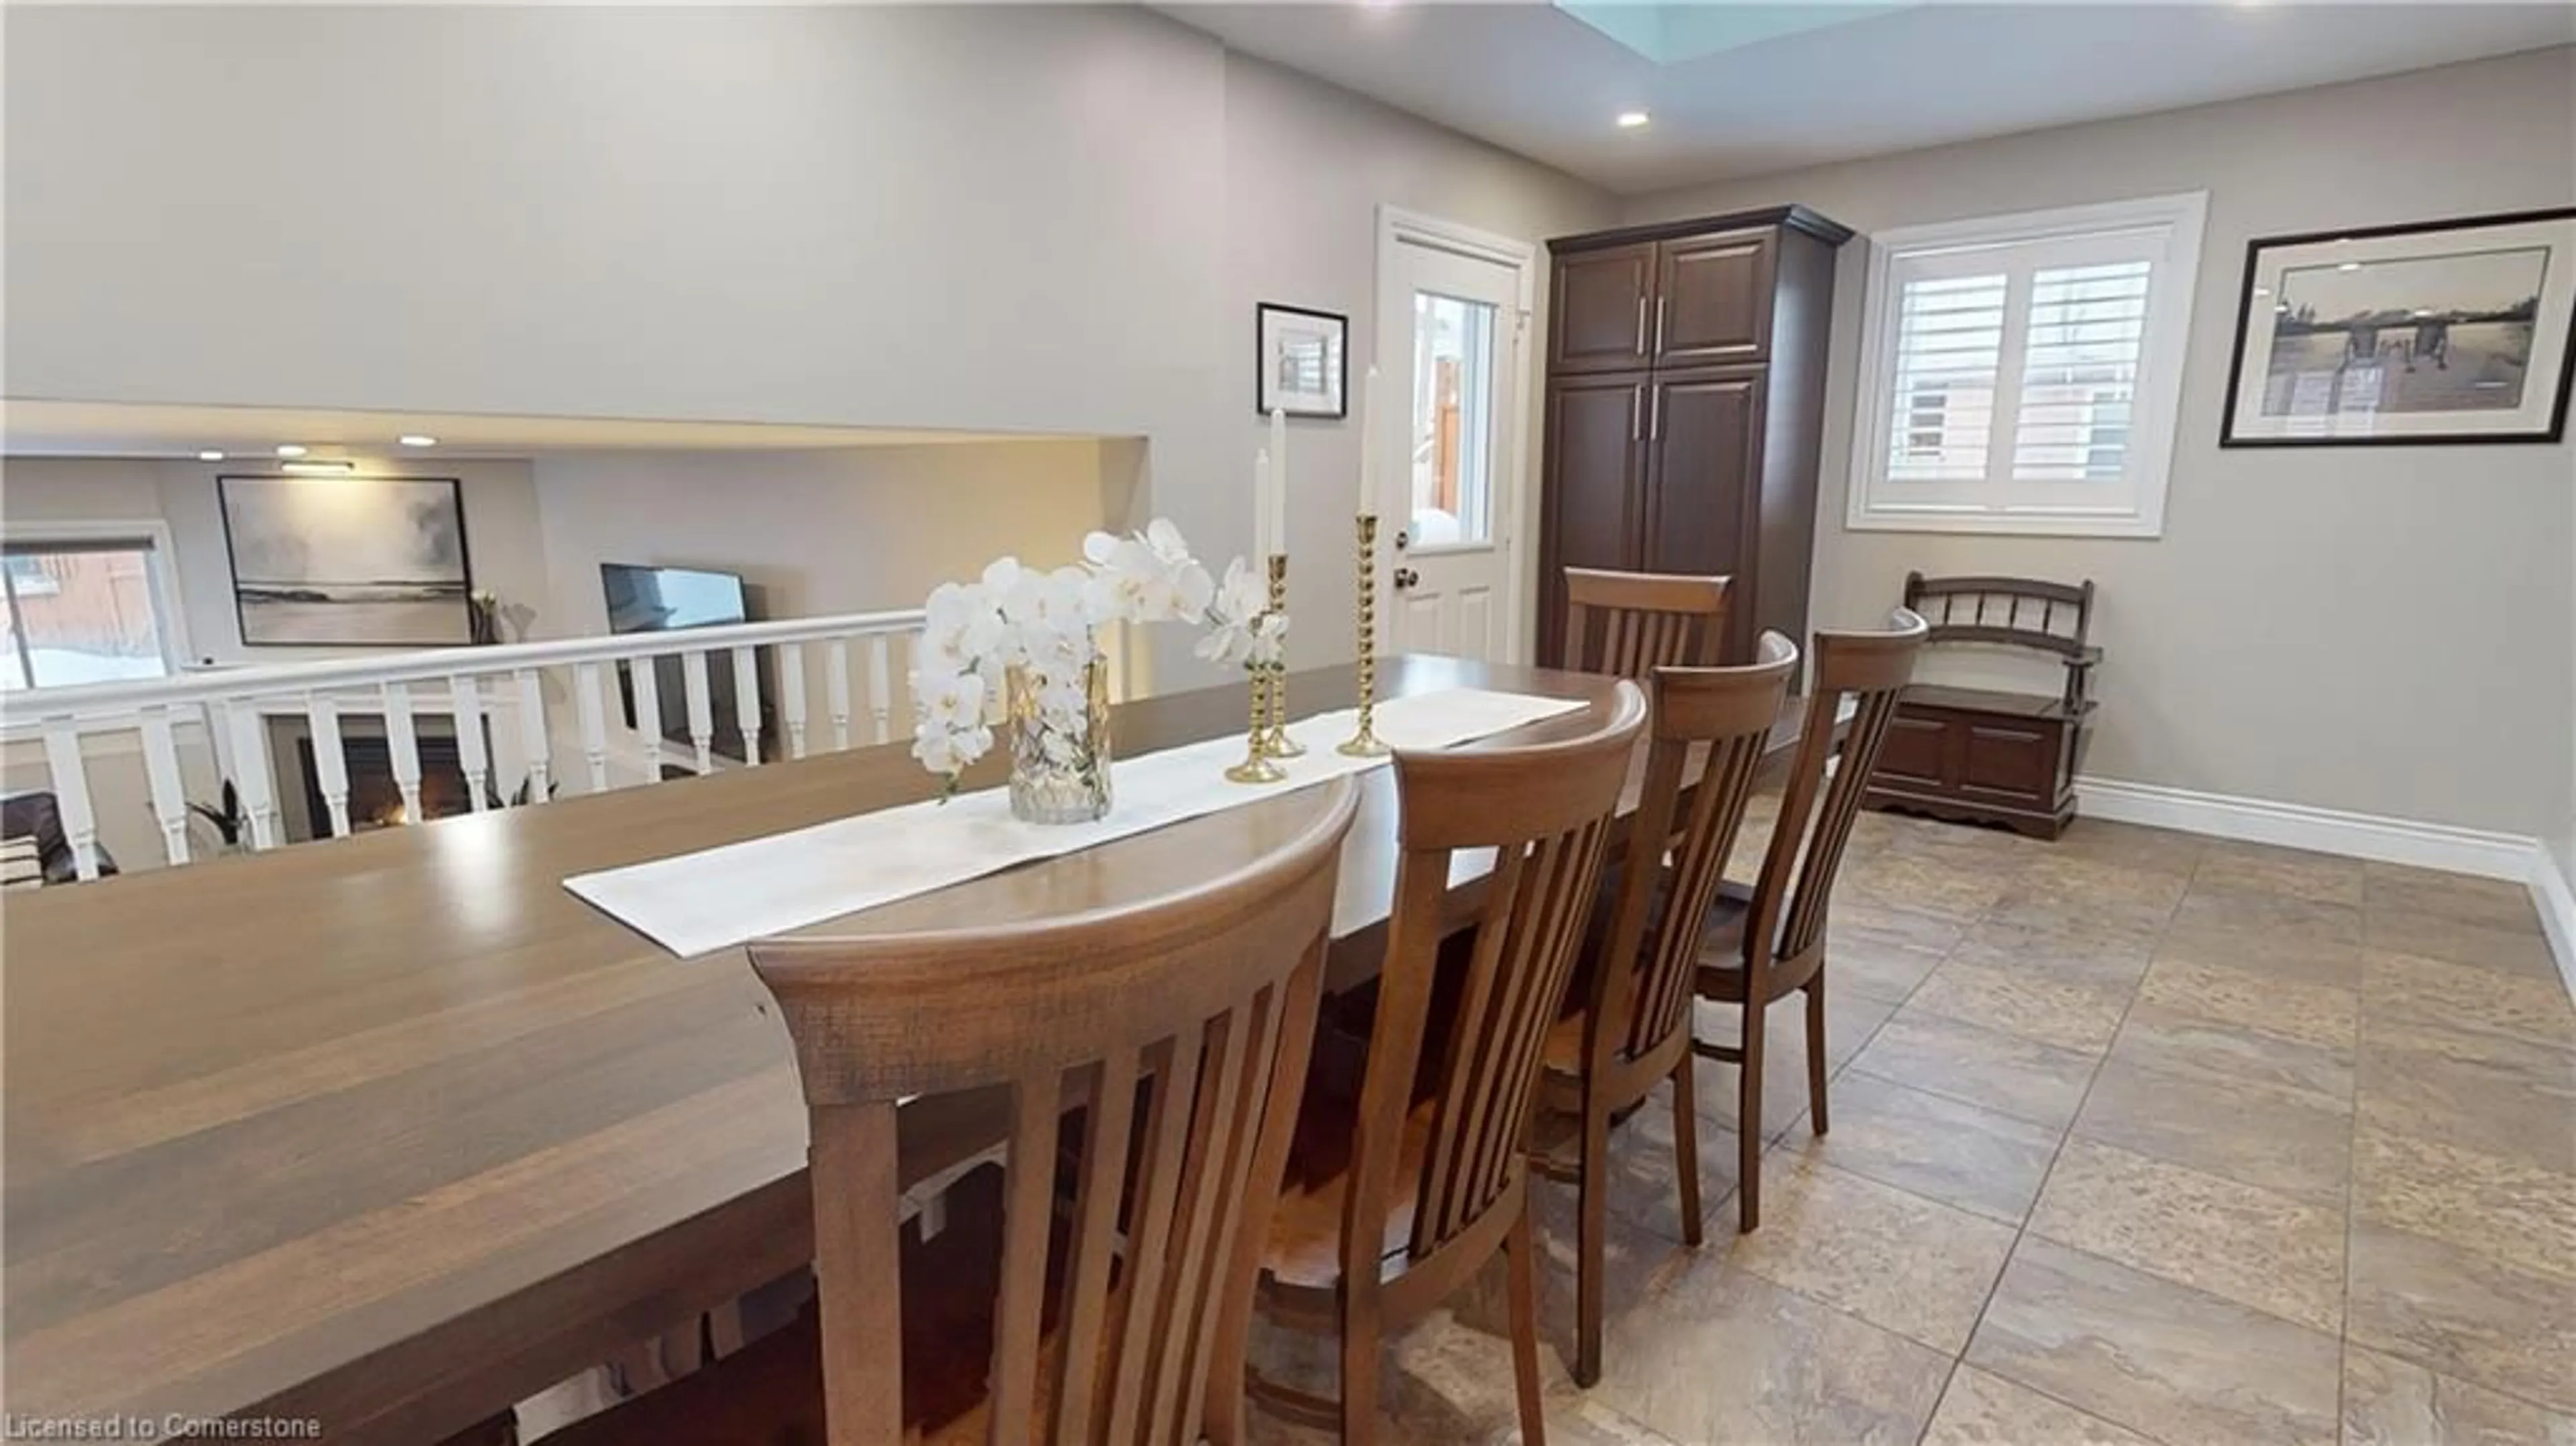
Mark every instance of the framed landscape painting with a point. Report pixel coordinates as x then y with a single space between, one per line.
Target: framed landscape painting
348 561
2445 331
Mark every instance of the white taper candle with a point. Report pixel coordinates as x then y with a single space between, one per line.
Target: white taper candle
1368 443
1277 541
1261 502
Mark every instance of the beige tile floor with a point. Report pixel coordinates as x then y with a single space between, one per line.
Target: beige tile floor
2137 1138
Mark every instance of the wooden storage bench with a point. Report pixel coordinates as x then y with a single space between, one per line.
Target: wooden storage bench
1976 755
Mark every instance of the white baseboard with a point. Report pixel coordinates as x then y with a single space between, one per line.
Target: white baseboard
2553 888
2325 830
2521 859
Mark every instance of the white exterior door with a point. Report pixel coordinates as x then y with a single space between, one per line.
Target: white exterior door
1452 314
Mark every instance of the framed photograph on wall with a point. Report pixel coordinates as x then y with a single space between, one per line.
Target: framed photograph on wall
2440 331
1303 364
348 561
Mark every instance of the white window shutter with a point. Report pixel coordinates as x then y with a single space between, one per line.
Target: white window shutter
1949 343
2023 373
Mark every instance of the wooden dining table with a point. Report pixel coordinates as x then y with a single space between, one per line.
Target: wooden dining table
387 1133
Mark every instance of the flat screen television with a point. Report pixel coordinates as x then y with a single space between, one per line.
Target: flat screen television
659 599
675 599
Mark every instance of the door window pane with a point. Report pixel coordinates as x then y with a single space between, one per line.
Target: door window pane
1453 419
81 613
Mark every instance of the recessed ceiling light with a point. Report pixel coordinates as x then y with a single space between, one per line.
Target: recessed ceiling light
210 455
2349 266
321 468
417 439
1630 120
290 449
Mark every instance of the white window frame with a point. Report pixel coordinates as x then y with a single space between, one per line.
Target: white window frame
2067 509
168 619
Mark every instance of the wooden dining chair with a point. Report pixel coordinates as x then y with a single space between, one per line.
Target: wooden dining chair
1756 950
1630 623
1397 1199
1711 728
1180 1029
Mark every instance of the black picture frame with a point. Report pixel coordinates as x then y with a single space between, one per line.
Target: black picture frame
2556 298
1265 367
463 587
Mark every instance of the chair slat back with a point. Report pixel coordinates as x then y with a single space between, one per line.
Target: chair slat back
1680 838
1546 810
1630 623
1871 669
1180 1025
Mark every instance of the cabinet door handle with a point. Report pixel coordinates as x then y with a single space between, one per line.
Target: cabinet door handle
1636 410
1641 323
1659 325
1655 418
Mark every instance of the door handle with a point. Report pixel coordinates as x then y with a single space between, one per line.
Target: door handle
1641 323
1636 413
1406 577
1655 418
1659 325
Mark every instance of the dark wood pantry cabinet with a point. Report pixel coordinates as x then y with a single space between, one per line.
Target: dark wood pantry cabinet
1685 410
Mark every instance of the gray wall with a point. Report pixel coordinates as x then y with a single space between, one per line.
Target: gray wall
504 545
2387 631
1006 218
858 530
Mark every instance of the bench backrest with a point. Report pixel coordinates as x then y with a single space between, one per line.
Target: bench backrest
2012 611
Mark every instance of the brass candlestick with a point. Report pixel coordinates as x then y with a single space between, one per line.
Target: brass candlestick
1364 743
1276 743
1256 766
1269 698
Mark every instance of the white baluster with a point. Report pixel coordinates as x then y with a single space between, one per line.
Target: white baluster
746 703
645 675
219 735
594 723
169 796
881 686
836 685
403 742
330 763
702 710
253 778
532 734
473 759
71 793
791 695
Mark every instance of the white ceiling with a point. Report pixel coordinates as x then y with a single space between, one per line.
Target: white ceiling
1533 79
118 429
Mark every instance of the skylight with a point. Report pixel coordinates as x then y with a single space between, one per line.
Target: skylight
1669 33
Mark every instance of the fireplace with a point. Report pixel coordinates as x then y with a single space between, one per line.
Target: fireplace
375 800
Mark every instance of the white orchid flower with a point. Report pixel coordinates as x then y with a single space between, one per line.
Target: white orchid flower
960 625
948 702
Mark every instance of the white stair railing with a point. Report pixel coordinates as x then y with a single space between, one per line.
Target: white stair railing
137 744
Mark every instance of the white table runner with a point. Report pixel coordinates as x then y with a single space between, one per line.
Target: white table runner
717 898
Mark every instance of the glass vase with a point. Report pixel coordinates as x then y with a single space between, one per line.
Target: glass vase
1059 754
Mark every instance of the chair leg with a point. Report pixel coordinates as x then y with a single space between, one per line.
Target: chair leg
1686 1148
1522 1253
1592 1211
1816 1053
1748 1124
1359 1375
